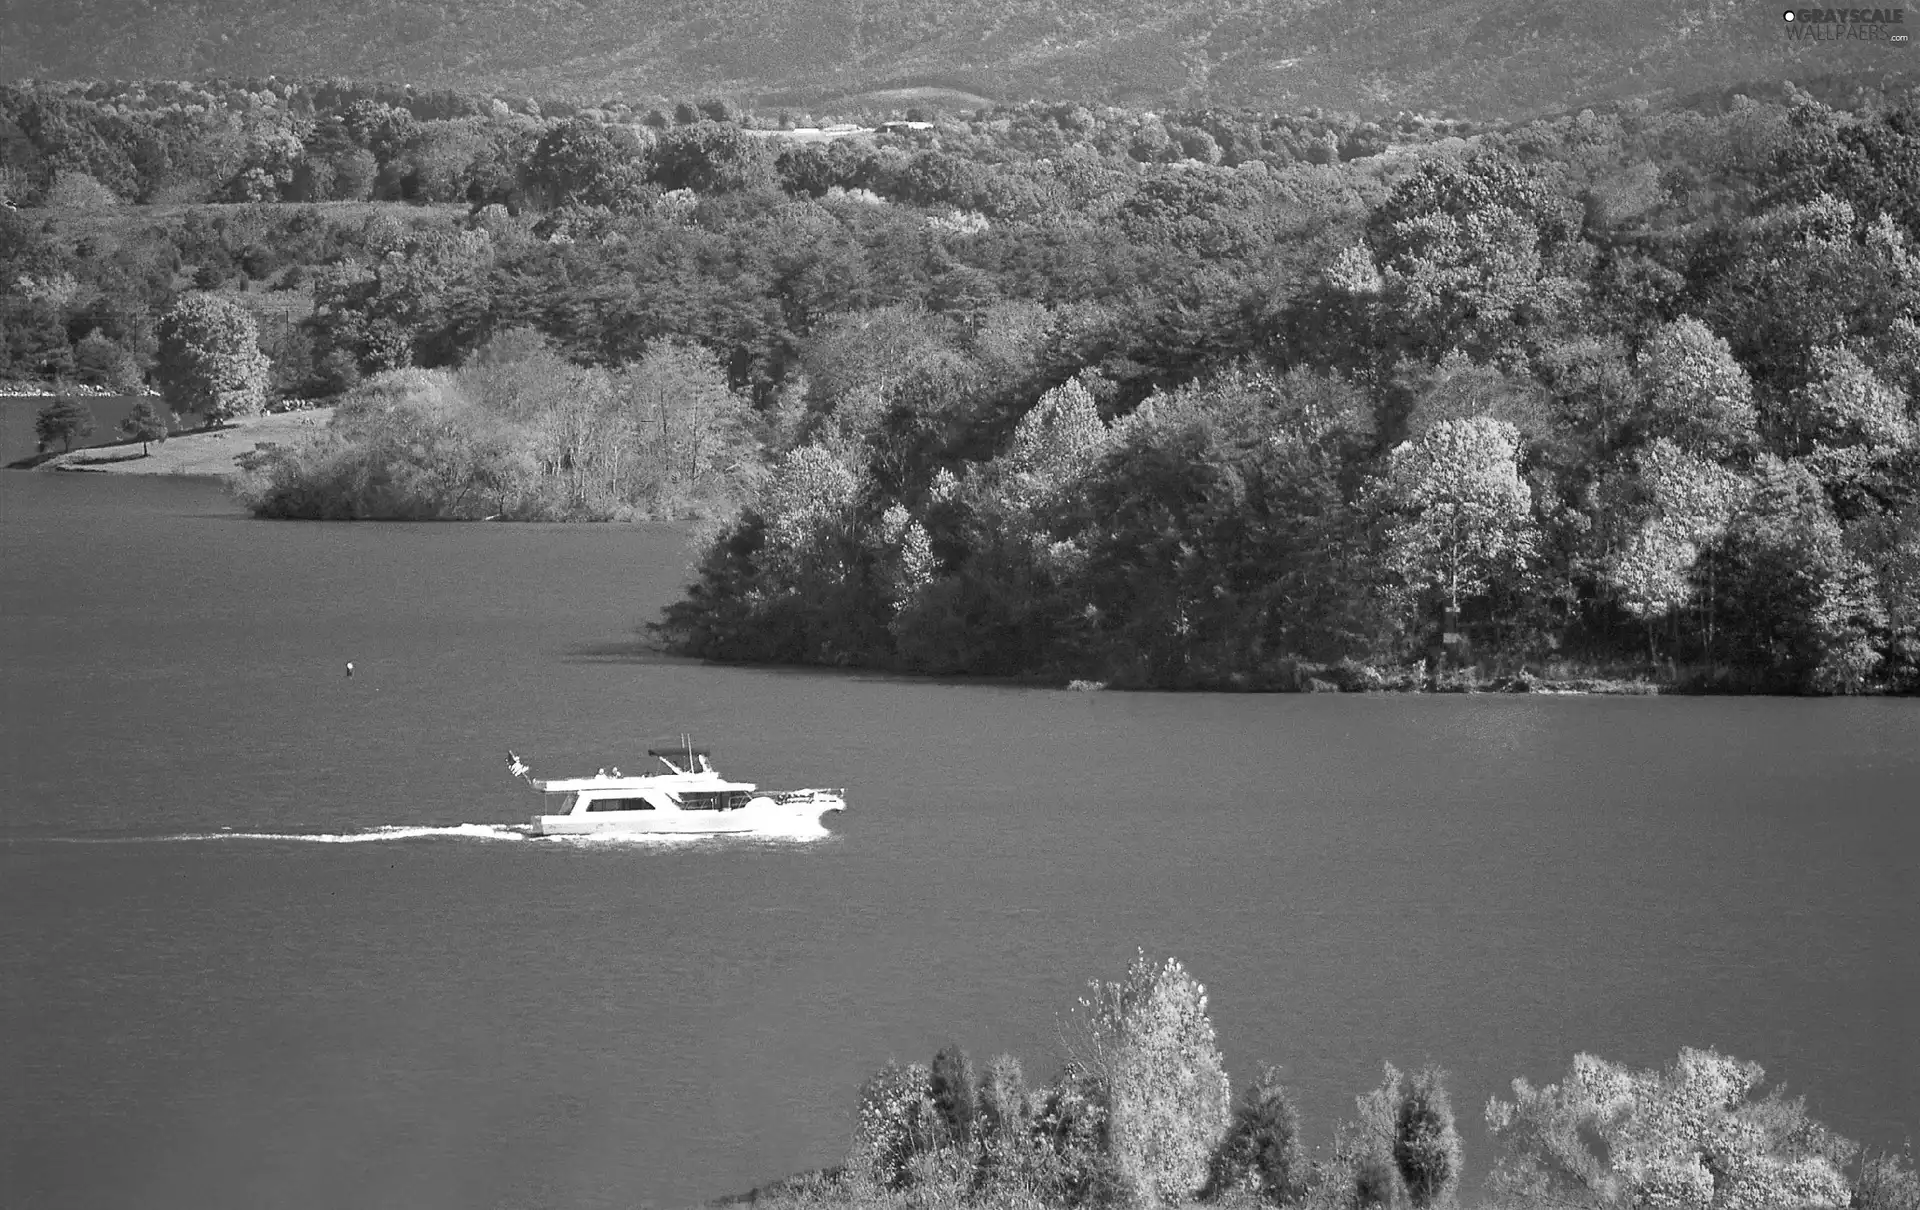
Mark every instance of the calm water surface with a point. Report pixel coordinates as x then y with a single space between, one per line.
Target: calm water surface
324 1015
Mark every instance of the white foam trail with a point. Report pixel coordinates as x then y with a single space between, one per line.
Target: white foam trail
471 831
801 831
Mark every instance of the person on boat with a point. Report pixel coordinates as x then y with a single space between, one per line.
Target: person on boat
616 770
602 773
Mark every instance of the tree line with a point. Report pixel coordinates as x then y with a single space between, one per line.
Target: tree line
1038 391
1142 1115
1667 420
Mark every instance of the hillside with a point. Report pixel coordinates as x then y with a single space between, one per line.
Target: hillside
1474 58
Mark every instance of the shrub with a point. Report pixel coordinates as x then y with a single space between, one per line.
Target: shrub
79 191
407 445
896 1122
1887 1182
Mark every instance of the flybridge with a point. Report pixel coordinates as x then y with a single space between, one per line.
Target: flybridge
684 758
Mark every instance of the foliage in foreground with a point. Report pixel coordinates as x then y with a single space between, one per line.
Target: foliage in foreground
1138 1118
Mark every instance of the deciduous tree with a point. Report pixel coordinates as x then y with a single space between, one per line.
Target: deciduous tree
1694 1136
1148 1040
1696 393
1462 515
210 359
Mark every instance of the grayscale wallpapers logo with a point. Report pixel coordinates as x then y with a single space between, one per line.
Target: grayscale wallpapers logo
1884 25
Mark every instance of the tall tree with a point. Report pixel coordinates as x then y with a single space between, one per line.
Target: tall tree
1462 513
210 359
1148 1041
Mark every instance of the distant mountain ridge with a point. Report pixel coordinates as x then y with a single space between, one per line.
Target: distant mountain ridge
1471 58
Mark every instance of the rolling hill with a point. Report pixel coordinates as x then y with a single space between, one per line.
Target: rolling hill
1471 58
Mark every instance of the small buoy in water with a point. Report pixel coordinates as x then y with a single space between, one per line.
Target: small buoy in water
349 667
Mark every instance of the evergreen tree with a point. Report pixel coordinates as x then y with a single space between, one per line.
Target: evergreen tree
145 424
1262 1149
1426 1146
64 420
954 1090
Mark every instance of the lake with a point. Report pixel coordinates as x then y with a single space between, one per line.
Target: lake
223 985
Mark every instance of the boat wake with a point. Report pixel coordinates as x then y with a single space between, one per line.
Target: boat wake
805 831
460 831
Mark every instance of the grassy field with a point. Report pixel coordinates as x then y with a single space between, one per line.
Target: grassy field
198 453
16 422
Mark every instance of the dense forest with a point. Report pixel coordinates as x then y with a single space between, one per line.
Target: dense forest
1184 399
1142 1116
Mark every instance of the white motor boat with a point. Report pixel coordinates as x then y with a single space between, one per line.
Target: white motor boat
688 798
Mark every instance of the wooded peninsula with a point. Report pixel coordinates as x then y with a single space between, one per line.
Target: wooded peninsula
1206 399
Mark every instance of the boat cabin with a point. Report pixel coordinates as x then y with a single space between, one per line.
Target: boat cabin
660 800
696 792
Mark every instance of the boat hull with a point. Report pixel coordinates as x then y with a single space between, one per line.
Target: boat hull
771 818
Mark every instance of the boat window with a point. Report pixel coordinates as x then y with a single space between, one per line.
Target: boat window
701 800
620 804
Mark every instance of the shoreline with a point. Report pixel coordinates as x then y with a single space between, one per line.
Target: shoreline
216 454
1352 679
